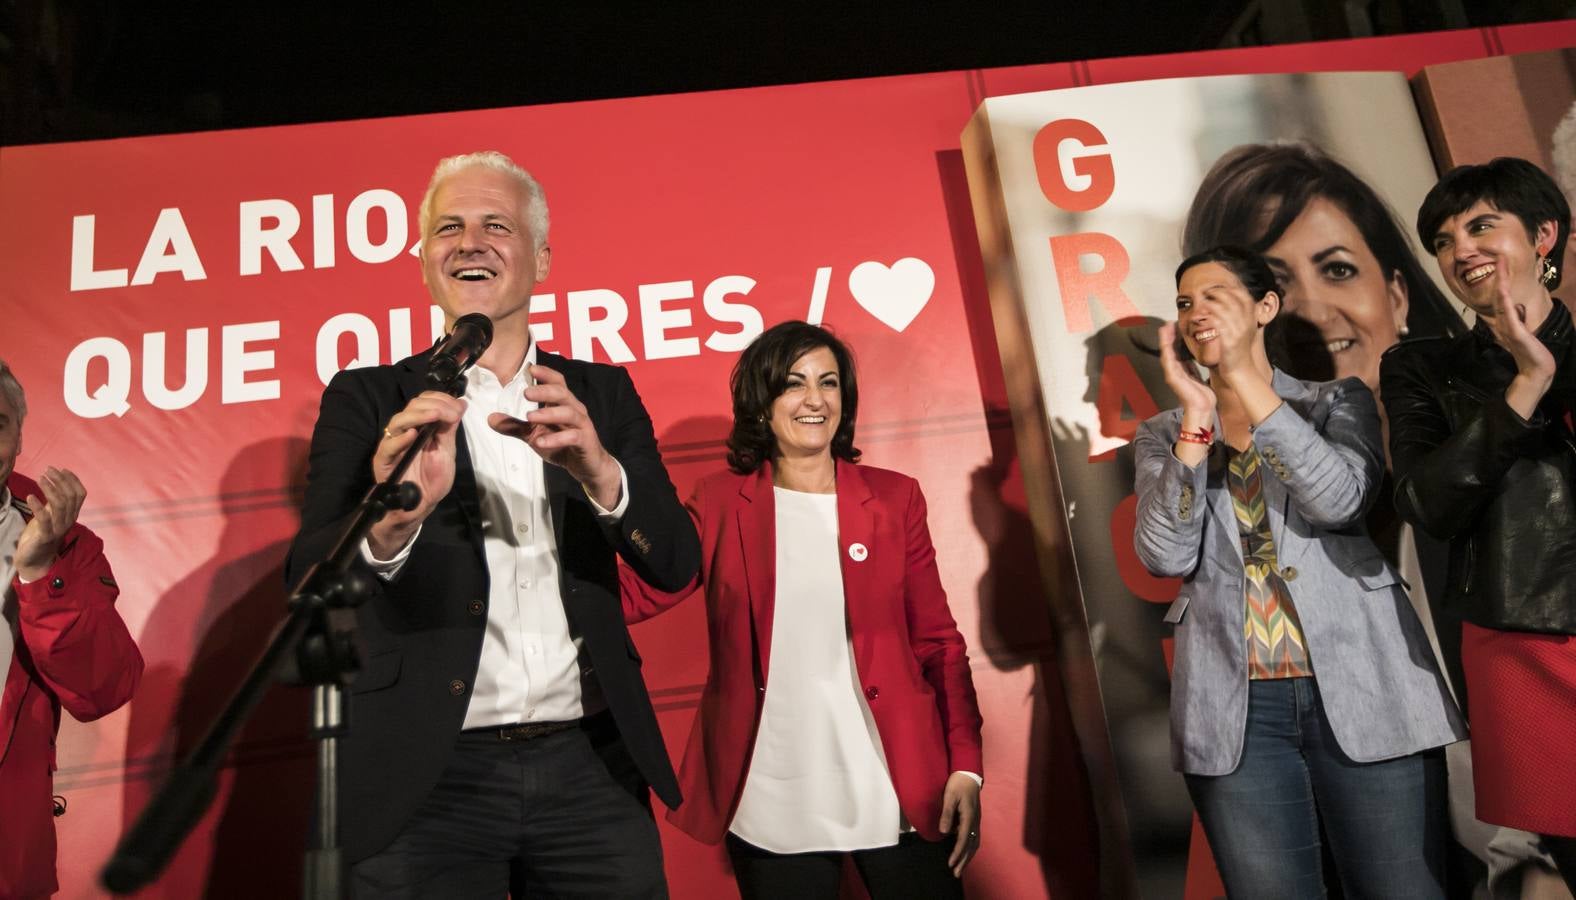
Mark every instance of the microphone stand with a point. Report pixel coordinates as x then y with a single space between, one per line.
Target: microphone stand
320 633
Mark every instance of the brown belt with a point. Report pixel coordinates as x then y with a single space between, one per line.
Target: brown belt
599 725
525 731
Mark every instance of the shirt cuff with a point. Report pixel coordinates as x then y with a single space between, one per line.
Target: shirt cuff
978 779
611 516
386 569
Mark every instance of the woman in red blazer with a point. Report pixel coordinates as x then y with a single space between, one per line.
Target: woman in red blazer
839 713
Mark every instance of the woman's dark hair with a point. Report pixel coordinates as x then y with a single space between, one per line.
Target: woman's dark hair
1253 193
1509 185
761 376
1250 268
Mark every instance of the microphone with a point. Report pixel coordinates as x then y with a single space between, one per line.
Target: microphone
459 350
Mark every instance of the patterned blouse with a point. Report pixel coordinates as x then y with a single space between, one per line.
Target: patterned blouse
1271 628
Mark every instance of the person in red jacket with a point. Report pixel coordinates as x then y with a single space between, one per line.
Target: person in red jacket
62 645
839 714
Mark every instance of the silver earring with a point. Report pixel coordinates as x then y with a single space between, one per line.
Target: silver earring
1548 272
1403 331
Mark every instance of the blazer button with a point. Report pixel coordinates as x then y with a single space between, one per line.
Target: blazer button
475 607
57 582
872 692
456 687
1289 573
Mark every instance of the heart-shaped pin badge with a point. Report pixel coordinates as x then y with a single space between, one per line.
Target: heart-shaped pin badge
894 294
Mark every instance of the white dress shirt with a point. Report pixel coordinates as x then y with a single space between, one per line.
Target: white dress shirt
530 669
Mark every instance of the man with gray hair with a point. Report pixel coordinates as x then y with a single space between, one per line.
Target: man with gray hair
62 645
502 739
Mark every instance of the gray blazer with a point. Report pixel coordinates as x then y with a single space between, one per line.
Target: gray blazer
1382 690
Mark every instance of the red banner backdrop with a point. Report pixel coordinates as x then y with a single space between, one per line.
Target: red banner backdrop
175 304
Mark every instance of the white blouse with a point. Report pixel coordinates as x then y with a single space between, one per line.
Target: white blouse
818 778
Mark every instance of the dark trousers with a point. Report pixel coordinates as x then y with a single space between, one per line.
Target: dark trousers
1385 821
912 869
562 815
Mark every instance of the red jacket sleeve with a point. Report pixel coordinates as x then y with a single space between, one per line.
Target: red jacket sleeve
73 636
642 600
937 644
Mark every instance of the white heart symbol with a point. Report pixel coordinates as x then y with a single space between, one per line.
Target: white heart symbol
894 294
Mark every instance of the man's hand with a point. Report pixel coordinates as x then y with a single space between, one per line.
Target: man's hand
432 470
53 514
560 431
960 801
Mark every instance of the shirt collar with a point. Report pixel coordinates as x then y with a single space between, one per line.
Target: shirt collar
479 377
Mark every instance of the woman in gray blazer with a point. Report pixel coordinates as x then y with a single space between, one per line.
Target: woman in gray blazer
1304 691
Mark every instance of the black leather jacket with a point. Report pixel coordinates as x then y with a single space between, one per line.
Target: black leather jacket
1469 469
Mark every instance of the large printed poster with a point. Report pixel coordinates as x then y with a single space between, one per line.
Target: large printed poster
1086 200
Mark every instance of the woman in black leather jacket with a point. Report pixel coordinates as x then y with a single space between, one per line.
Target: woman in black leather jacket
1484 456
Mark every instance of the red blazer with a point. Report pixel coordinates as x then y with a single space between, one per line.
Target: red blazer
73 651
907 650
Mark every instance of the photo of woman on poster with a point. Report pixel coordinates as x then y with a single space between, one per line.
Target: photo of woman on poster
1353 285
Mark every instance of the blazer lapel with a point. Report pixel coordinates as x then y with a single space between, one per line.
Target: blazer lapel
1277 500
858 554
757 523
1217 492
1222 512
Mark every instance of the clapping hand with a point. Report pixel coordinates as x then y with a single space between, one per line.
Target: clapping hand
1534 363
53 514
1196 397
1533 359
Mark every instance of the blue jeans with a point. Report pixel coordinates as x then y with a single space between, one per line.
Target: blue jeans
1385 821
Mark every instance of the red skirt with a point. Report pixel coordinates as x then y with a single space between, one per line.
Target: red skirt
1521 694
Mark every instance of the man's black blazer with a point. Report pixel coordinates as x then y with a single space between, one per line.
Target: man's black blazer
422 632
